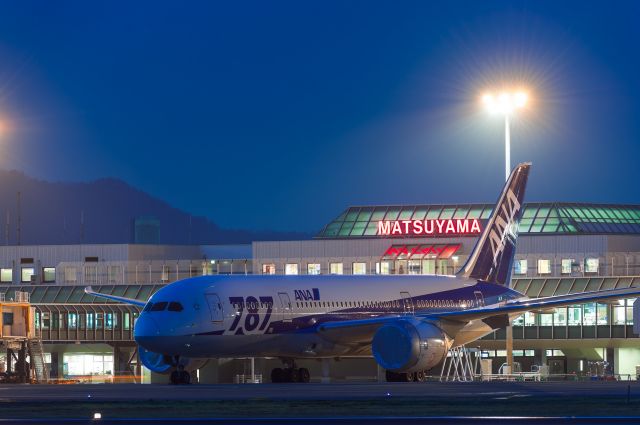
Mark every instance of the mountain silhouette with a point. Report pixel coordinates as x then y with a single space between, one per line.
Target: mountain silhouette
102 211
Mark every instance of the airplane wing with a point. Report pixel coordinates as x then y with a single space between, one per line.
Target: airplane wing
357 331
521 306
88 290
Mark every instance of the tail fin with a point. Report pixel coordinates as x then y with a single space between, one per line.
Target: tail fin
492 257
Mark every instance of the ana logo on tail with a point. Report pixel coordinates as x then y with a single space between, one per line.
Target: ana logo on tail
504 225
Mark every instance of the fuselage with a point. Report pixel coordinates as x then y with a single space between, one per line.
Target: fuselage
278 316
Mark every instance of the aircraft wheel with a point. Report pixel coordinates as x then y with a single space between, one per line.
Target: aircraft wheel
175 377
421 376
303 375
409 377
277 375
292 375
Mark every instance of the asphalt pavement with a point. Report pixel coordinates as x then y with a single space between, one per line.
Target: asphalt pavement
495 390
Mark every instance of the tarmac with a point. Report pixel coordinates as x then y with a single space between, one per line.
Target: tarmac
311 391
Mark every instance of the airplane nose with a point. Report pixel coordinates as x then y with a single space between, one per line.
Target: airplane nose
145 329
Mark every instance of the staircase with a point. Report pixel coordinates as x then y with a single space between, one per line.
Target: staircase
38 365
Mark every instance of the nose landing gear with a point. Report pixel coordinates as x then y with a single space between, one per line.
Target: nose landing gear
290 373
180 376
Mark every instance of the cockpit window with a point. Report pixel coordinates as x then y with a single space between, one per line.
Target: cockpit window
175 306
148 307
159 306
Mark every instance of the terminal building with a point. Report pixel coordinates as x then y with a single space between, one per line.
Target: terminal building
562 248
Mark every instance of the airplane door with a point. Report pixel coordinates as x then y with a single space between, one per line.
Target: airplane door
285 306
479 298
407 303
215 307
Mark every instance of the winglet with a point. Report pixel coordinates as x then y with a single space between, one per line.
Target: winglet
492 257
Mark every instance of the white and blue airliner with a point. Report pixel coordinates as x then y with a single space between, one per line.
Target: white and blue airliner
407 323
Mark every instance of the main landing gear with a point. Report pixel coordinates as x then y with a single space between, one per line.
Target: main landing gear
419 376
290 373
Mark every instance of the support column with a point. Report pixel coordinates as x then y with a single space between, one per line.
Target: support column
382 374
509 343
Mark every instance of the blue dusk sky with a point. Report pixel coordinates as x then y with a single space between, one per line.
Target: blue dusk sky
278 115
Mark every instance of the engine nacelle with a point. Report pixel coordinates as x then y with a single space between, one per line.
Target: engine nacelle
164 364
409 346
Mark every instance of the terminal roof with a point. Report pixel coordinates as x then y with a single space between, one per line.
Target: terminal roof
538 218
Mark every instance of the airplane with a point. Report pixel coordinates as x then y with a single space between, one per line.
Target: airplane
407 323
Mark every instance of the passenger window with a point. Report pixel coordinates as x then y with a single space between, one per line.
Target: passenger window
148 307
175 306
159 306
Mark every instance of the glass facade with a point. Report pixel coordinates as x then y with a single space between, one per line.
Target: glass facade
538 218
87 364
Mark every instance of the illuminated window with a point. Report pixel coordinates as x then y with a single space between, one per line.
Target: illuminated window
414 266
591 265
589 314
566 265
88 364
359 268
46 320
313 268
48 274
520 267
630 302
546 319
335 268
560 317
6 275
383 267
544 266
574 315
428 266
127 321
603 314
26 274
269 268
291 268
618 311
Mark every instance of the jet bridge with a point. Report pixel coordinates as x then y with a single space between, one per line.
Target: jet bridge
21 346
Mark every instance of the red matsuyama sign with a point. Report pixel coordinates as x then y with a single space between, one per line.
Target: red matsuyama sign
429 227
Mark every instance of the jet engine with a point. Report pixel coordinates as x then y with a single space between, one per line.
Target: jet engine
165 364
409 346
